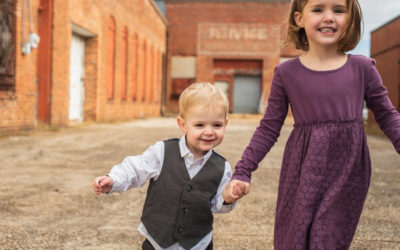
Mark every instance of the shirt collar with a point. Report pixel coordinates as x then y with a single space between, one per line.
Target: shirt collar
186 152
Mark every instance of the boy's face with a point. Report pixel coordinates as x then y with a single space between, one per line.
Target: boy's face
204 128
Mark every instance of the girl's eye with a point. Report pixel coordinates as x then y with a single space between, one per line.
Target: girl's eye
218 125
317 10
199 125
340 11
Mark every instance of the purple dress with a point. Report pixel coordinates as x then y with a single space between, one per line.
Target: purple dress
326 167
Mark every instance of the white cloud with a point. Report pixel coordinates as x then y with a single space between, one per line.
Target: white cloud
375 13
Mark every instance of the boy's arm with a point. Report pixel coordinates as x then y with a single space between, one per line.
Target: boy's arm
102 184
134 171
218 205
235 190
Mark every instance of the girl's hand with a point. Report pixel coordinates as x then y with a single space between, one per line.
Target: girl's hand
102 184
235 190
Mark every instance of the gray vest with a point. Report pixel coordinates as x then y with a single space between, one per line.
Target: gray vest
178 209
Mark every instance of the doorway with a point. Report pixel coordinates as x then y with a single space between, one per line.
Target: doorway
224 86
44 61
76 78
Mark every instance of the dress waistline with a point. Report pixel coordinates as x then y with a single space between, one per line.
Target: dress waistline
316 123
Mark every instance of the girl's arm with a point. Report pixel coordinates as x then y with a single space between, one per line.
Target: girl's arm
217 202
378 101
266 133
134 171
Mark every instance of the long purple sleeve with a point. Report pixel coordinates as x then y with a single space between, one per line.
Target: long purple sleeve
320 96
385 113
266 133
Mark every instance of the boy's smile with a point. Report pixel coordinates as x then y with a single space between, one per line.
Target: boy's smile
204 128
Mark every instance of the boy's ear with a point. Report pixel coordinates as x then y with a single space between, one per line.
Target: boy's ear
226 121
298 18
181 123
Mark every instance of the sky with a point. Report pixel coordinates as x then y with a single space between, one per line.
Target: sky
375 14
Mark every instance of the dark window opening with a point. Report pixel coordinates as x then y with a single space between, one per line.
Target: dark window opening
7 44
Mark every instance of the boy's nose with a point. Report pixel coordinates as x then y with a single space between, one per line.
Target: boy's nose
208 130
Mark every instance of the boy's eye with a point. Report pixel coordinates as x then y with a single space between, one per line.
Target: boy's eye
218 125
317 10
199 125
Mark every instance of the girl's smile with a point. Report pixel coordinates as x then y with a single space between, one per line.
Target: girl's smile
324 22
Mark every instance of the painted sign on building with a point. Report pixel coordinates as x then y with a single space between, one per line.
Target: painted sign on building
238 38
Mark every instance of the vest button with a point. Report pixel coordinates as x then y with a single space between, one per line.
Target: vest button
189 188
180 230
185 210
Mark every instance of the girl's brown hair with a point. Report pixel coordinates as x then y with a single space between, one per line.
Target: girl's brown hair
350 37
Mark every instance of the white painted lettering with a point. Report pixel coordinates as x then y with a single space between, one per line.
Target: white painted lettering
237 33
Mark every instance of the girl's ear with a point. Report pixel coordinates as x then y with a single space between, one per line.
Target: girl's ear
298 18
181 123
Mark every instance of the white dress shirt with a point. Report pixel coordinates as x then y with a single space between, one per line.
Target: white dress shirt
134 171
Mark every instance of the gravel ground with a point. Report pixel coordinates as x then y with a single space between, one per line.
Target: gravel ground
46 201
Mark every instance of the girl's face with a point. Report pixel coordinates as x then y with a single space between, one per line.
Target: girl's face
324 22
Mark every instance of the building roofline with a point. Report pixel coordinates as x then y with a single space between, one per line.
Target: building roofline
225 0
155 7
385 24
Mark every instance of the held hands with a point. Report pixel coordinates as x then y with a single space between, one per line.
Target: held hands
102 184
235 190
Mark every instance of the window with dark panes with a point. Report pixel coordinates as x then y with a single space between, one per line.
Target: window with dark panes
7 44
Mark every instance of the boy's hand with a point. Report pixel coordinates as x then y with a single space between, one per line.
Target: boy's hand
102 184
235 190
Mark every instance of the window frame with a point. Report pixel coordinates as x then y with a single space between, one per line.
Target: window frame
7 79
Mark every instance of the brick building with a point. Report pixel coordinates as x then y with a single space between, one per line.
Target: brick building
385 49
234 44
97 60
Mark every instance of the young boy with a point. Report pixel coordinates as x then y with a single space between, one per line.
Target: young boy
186 176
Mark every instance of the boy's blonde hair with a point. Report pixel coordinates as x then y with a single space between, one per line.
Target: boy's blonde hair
202 94
350 37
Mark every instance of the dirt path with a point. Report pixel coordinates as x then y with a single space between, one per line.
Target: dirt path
46 200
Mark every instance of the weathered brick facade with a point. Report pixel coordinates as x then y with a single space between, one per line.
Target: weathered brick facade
17 105
385 49
234 35
90 20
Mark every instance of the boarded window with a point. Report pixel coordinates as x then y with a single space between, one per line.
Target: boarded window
144 72
7 44
135 67
158 77
151 81
111 59
124 63
183 67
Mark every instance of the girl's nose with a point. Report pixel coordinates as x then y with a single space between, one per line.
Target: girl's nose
328 16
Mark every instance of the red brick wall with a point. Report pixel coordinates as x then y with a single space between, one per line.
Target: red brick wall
18 108
385 49
62 35
138 17
184 18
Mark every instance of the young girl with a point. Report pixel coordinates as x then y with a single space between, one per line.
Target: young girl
326 167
